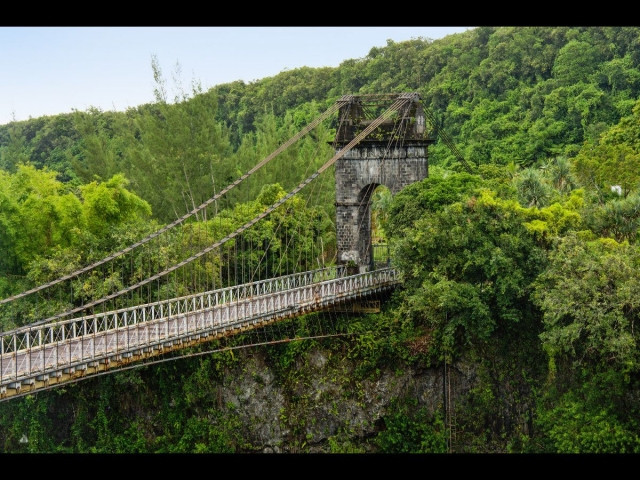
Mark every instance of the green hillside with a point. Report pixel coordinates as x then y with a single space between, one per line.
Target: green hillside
521 279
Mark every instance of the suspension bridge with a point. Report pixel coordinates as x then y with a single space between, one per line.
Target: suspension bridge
379 140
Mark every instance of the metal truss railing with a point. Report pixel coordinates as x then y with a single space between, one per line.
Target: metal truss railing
50 349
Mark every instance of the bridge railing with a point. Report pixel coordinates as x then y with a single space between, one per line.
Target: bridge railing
34 353
31 336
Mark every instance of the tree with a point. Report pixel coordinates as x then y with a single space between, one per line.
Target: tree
590 296
430 195
602 166
97 157
614 159
8 225
576 61
533 190
180 155
16 152
108 204
562 177
468 269
44 216
618 219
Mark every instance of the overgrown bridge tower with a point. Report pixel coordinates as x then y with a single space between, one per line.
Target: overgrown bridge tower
394 155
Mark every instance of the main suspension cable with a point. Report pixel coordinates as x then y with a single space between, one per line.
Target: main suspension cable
180 220
386 114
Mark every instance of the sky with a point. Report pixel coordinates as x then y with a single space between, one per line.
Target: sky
54 70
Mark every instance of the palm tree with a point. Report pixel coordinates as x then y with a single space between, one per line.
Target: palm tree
533 189
561 175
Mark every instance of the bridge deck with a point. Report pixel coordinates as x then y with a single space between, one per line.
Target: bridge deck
39 356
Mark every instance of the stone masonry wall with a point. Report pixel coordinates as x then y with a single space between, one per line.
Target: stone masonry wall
358 172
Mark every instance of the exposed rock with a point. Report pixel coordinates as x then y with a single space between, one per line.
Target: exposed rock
326 401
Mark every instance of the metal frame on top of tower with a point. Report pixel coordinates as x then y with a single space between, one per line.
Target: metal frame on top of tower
356 112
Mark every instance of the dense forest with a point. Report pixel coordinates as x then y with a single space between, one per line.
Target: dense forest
525 271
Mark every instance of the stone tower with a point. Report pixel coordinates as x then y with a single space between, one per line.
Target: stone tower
393 155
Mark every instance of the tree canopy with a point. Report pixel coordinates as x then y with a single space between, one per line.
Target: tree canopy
520 277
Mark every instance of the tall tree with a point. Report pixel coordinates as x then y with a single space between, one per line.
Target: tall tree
589 297
179 161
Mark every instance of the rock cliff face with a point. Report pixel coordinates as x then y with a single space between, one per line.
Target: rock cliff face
322 403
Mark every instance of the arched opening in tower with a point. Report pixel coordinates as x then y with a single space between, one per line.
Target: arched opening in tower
380 202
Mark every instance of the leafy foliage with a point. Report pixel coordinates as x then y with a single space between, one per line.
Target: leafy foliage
410 431
468 269
591 418
589 299
526 269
